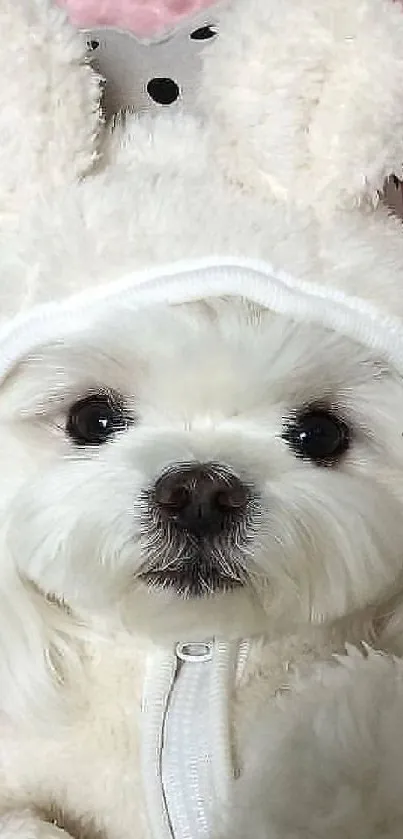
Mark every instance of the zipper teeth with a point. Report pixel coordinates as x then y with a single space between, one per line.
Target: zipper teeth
163 670
243 655
188 740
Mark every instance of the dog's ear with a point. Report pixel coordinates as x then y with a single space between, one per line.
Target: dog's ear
49 115
305 98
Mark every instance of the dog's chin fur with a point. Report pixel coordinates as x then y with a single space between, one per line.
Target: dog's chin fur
212 382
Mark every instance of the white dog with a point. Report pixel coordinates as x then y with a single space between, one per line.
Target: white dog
209 470
201 459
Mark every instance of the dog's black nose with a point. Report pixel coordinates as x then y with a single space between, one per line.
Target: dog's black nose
201 499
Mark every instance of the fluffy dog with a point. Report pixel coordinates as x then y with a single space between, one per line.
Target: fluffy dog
149 498
201 361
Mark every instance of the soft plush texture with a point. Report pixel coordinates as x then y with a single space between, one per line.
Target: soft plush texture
35 112
268 192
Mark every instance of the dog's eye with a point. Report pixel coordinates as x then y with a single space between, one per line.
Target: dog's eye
319 435
93 420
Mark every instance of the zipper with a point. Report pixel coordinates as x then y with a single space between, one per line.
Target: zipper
186 754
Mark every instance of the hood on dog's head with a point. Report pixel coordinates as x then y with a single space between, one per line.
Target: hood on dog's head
355 317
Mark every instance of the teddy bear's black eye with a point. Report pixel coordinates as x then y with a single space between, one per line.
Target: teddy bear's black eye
93 420
319 435
204 33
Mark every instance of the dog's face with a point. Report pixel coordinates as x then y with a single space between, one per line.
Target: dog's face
204 467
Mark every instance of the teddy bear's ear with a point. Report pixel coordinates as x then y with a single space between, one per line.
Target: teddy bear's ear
48 103
306 97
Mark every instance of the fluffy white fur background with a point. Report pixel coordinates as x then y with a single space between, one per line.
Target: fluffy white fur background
296 129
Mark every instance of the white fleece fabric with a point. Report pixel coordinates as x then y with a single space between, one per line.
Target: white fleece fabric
185 282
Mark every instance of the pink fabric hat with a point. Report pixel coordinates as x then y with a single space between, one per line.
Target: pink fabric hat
144 18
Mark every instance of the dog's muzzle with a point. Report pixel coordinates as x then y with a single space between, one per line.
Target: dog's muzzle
194 526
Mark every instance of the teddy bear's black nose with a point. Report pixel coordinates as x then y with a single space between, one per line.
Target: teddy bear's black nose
163 91
204 499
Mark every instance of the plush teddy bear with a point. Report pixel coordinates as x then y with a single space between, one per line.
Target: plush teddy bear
201 355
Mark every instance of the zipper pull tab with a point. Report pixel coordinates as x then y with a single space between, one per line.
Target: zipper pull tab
195 651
